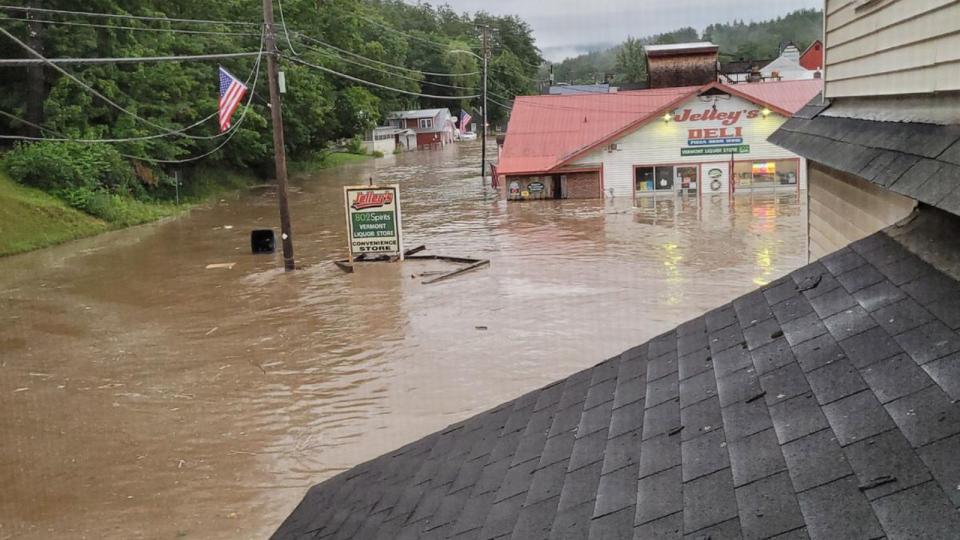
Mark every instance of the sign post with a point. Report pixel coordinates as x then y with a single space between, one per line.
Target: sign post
373 221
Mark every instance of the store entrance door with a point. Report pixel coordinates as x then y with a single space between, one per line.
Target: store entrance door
688 178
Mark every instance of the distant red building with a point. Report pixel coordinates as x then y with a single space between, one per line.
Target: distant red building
434 127
812 58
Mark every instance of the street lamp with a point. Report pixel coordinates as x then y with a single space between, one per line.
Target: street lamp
483 133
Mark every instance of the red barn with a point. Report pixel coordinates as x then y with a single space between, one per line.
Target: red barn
812 58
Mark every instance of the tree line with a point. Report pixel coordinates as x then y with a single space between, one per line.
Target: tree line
386 42
625 64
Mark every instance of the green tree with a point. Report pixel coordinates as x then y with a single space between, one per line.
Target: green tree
631 62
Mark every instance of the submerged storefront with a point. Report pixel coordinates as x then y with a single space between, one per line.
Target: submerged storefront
710 140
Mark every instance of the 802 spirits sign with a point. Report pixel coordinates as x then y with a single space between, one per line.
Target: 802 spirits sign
373 220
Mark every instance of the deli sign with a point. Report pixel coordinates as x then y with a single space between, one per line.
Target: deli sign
373 220
727 133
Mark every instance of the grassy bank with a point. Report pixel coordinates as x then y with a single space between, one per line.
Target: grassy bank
31 219
327 160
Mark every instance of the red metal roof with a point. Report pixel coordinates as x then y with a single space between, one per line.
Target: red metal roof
545 132
812 58
788 96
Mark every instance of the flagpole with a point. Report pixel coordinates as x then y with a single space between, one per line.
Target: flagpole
280 157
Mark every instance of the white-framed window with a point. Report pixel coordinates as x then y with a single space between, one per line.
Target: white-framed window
426 123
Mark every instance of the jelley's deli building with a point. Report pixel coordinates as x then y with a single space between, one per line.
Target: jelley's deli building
696 141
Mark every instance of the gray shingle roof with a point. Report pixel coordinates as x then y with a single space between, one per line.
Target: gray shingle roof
921 161
824 405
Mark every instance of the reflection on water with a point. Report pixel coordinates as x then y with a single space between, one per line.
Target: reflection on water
142 396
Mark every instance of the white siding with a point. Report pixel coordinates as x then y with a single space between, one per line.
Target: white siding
845 209
659 143
888 47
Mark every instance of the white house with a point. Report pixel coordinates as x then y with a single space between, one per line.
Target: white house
787 67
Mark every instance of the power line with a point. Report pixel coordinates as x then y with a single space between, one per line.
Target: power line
393 74
286 33
349 53
233 131
91 141
63 138
28 123
495 102
368 83
14 62
439 46
594 109
92 90
124 16
133 28
522 61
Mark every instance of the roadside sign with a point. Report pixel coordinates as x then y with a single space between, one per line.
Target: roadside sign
373 220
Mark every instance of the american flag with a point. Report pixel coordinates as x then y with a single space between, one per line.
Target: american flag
465 119
231 92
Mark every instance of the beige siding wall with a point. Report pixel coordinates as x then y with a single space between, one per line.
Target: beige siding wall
887 47
844 209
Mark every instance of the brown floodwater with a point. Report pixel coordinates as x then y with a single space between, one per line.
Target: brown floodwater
145 396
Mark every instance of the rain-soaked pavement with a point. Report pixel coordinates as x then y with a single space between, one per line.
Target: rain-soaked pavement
143 396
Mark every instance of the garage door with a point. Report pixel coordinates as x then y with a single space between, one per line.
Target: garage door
582 185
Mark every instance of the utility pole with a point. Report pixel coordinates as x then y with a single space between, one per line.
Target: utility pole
280 156
36 84
483 137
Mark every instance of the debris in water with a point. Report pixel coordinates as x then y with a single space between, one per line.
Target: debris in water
24 389
212 330
228 266
471 264
480 327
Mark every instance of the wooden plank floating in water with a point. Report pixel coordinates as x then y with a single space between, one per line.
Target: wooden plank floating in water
472 264
463 270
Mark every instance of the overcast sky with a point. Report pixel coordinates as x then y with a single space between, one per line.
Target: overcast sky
567 27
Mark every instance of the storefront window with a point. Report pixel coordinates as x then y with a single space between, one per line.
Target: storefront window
644 179
664 177
668 178
788 172
766 174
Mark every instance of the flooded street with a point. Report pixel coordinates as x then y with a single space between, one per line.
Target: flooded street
144 396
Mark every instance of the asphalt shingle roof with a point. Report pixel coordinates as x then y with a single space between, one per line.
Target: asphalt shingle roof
823 406
921 161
